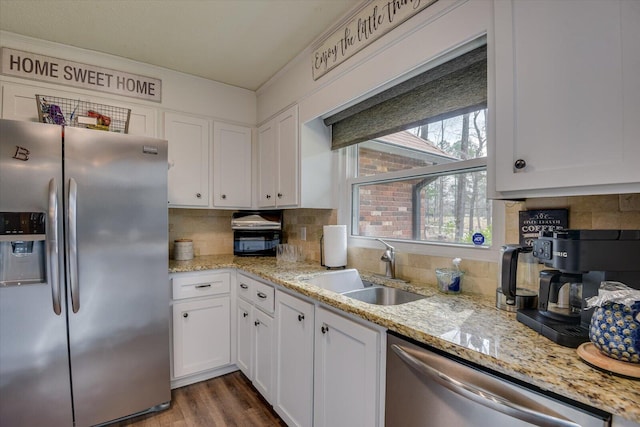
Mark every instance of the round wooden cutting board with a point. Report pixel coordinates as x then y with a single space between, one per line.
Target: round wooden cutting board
590 354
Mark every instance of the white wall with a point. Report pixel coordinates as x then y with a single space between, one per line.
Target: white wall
180 92
404 51
431 37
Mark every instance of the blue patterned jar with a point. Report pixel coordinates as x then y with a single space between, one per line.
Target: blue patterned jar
615 331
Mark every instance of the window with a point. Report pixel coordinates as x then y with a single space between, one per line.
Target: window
419 156
424 184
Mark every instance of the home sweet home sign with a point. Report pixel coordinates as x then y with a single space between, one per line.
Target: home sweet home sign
48 69
374 20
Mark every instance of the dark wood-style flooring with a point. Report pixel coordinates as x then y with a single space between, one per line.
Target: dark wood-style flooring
229 400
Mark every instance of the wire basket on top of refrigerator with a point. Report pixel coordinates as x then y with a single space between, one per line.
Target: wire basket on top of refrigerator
77 113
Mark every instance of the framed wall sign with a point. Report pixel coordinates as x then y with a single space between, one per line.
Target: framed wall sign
375 19
33 66
532 222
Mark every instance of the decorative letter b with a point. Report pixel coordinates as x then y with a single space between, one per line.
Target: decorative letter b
21 153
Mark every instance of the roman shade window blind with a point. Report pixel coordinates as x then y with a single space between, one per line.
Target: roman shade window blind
451 89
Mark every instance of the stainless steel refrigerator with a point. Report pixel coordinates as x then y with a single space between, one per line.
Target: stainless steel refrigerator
84 295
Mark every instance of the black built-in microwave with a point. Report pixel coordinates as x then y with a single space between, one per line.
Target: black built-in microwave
256 233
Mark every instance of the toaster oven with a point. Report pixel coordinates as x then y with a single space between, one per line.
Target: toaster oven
256 233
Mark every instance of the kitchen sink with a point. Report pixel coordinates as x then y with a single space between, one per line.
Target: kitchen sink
339 281
382 295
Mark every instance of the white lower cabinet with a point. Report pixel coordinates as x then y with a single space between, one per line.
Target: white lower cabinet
244 354
200 335
202 344
201 326
347 379
263 345
294 361
255 333
316 366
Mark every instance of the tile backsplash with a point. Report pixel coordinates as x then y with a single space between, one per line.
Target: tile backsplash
210 230
211 233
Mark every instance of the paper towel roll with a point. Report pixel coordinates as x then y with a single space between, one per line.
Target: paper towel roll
335 245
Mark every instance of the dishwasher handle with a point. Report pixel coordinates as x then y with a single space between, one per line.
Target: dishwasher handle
480 388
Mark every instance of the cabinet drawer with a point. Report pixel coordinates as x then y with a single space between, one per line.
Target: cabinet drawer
245 287
201 285
264 297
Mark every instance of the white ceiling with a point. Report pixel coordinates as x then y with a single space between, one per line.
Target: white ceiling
238 42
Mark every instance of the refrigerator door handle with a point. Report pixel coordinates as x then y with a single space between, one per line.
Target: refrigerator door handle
480 388
52 242
72 242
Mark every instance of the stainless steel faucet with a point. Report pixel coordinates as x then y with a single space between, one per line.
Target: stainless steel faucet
389 257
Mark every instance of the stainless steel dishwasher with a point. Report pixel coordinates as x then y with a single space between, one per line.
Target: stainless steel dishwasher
427 389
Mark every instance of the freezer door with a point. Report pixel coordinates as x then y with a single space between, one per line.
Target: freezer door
117 234
34 366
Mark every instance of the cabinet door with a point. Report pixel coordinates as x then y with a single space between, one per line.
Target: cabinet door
288 158
201 335
188 159
347 357
567 94
267 165
231 166
244 342
263 356
293 399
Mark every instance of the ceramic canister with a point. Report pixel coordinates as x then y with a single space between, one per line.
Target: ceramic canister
615 331
183 249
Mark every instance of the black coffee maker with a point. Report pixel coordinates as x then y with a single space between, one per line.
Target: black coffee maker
581 260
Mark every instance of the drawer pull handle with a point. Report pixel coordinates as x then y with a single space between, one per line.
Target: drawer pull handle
324 329
245 314
203 286
300 317
257 323
262 295
244 286
185 315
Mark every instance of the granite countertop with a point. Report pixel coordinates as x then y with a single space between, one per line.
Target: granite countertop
464 325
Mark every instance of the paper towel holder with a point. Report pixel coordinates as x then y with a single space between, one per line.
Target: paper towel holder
342 267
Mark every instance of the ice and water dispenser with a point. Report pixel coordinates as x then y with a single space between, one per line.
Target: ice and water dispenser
22 248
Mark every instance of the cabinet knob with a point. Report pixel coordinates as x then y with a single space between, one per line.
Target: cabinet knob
198 195
185 315
300 317
224 196
245 314
257 322
268 196
279 195
324 329
520 164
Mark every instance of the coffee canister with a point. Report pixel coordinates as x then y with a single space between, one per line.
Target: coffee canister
183 249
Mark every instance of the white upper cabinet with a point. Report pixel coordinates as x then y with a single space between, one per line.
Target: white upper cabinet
279 161
567 97
188 178
288 158
231 166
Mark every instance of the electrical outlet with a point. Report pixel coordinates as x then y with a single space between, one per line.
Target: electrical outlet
303 233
